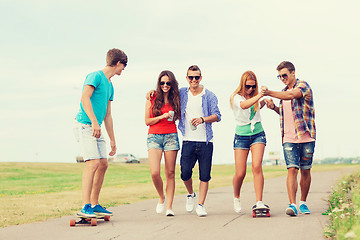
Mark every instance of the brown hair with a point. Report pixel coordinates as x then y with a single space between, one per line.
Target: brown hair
248 75
193 68
286 64
114 56
173 96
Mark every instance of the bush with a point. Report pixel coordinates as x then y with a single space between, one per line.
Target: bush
344 209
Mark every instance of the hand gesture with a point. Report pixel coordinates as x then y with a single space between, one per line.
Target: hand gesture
166 115
150 94
196 121
113 148
265 91
269 103
96 130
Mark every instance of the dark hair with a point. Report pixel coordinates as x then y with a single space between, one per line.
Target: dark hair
114 56
173 96
193 68
286 64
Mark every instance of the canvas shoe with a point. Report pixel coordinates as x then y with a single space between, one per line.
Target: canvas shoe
170 213
304 209
87 211
291 210
190 202
160 207
100 210
200 210
237 205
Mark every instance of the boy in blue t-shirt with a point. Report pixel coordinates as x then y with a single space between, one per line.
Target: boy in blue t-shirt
95 108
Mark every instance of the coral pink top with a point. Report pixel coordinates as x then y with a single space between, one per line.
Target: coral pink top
163 126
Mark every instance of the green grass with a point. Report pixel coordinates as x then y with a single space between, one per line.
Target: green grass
344 209
31 192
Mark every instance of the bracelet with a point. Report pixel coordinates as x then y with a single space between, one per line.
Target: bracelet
273 107
202 119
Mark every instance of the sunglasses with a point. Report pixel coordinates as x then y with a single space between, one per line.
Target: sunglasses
250 86
165 83
192 77
285 76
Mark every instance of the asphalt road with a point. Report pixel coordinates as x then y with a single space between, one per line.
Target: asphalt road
139 220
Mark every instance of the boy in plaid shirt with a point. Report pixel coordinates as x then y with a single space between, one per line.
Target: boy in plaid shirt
297 123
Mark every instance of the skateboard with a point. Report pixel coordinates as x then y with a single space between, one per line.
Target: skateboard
86 220
261 212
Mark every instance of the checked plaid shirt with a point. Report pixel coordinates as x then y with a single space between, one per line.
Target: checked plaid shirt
303 110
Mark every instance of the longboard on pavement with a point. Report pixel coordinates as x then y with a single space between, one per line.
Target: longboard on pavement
261 212
86 220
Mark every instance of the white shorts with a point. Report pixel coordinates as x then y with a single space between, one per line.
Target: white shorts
90 146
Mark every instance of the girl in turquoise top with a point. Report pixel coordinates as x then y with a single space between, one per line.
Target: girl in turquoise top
249 135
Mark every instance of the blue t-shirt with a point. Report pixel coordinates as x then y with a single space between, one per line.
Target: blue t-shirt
103 92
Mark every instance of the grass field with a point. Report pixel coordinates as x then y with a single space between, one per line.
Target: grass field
31 192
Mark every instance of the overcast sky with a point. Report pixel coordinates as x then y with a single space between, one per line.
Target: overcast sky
48 47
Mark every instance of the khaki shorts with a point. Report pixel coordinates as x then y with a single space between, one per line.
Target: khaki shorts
90 146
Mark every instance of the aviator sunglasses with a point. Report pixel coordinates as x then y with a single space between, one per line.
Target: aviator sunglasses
284 76
250 86
165 83
192 77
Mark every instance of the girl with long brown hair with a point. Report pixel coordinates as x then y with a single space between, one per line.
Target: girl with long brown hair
161 112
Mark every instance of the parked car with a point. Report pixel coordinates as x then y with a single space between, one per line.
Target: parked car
125 158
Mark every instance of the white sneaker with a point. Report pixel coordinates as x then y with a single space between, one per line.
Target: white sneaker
190 202
170 213
237 205
200 210
260 204
160 207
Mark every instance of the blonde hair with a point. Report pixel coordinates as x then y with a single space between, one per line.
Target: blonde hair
248 75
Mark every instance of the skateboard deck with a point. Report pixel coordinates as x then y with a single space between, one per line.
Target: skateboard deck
261 212
86 220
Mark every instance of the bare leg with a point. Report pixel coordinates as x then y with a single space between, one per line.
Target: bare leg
189 186
305 182
170 161
154 163
257 153
98 181
240 170
203 189
292 184
88 178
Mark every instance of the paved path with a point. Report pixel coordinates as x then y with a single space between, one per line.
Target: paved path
139 220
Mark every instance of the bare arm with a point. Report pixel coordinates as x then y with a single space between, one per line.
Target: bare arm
149 120
286 95
262 103
108 121
271 105
200 120
86 102
251 101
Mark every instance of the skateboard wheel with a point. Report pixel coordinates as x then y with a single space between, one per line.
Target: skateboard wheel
72 222
106 218
253 214
268 214
93 222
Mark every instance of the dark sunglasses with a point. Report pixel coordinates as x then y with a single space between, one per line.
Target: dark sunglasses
125 64
285 76
165 83
250 86
192 77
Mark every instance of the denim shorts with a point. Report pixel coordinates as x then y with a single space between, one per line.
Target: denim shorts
299 155
245 142
193 152
165 142
90 146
